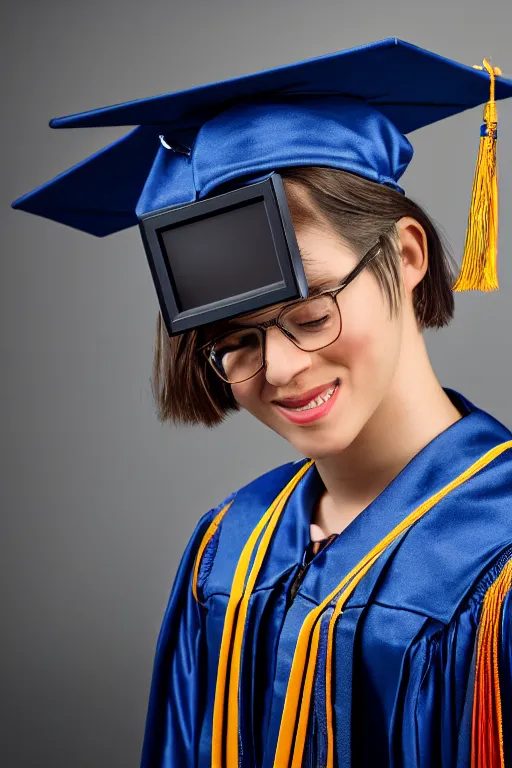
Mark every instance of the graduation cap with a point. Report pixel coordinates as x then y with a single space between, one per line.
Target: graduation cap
199 173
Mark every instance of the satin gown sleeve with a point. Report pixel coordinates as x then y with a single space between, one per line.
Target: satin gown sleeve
444 694
176 699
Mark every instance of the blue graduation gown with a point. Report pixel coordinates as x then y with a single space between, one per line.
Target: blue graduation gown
404 649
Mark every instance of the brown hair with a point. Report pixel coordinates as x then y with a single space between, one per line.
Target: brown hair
187 390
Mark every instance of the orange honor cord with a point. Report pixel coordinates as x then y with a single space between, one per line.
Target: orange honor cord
285 744
226 675
234 677
204 543
487 750
295 739
305 705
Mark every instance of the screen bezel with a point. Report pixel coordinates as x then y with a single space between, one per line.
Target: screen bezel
293 286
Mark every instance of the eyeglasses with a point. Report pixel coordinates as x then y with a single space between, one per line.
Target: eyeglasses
310 324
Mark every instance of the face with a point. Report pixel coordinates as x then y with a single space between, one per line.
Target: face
351 376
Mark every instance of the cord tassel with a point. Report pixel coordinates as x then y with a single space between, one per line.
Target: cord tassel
479 262
487 748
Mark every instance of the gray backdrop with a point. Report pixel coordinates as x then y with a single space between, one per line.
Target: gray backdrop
98 498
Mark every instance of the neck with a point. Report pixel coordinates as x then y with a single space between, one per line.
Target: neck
413 412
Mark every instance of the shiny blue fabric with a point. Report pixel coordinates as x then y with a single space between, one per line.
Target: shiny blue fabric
347 110
308 130
404 647
251 139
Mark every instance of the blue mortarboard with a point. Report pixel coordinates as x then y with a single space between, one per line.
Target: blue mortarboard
348 110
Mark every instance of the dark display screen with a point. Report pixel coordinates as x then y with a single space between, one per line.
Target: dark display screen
224 255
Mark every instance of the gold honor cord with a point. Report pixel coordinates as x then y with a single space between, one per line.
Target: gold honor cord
234 676
328 664
487 748
285 742
286 738
231 621
302 725
305 704
208 535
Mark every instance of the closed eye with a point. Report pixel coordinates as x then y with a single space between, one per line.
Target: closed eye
314 323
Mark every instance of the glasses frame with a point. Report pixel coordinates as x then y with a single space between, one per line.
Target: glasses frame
262 328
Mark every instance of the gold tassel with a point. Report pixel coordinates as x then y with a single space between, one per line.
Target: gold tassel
479 262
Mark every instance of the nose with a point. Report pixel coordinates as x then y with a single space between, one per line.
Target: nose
283 360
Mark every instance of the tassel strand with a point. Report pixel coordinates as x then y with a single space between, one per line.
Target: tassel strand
479 262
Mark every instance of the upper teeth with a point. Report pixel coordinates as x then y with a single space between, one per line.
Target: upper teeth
323 398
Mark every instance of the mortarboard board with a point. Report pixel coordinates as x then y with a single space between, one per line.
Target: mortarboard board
348 110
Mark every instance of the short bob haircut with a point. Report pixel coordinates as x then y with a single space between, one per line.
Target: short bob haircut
186 389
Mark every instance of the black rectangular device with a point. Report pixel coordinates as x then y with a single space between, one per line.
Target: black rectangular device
223 256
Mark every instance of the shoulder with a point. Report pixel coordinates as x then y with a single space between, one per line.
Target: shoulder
234 519
262 487
488 600
474 625
261 491
484 603
467 664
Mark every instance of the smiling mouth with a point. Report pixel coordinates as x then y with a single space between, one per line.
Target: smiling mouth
317 401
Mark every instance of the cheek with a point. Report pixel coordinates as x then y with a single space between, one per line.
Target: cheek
368 346
249 397
248 394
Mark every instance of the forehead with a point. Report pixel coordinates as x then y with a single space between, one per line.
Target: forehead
323 252
326 259
325 267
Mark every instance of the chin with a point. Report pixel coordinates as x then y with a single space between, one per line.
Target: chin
321 440
317 447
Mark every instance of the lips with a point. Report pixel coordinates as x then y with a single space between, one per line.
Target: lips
304 399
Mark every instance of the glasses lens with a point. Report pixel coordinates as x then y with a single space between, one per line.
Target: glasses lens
314 323
239 355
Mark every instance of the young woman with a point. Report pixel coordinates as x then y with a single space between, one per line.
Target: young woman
353 608
392 457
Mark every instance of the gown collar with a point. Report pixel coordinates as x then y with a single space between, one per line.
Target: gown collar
443 459
437 560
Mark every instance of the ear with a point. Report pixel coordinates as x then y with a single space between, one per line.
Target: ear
413 252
